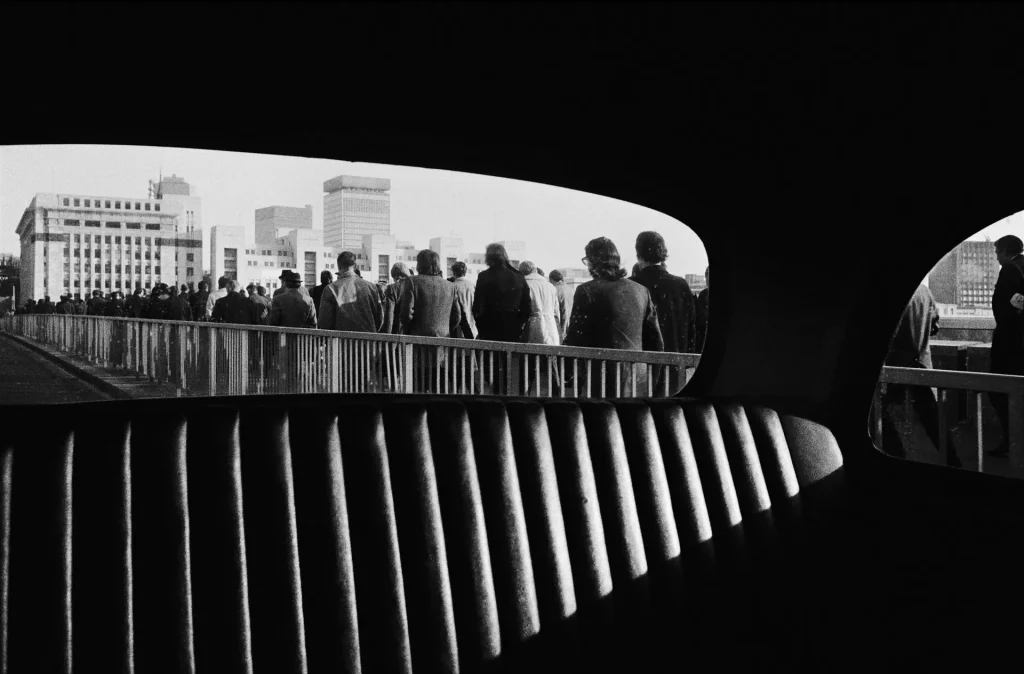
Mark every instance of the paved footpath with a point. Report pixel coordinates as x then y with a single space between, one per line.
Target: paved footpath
28 378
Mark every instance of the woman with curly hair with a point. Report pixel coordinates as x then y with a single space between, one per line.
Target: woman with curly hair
612 312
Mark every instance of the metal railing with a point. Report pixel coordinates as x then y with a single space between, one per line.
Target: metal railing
222 359
975 382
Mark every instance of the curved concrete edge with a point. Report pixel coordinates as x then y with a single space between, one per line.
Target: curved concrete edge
71 368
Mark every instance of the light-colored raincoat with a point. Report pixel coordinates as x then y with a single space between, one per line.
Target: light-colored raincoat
543 324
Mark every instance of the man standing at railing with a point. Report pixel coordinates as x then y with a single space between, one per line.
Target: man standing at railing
464 291
261 304
292 309
910 347
317 293
96 303
564 302
672 298
350 304
1008 337
64 306
221 292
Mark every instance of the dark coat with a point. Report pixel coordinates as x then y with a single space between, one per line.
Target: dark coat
616 314
675 305
197 303
392 293
64 307
261 307
180 309
233 308
159 309
501 305
701 313
290 309
427 307
114 309
79 308
136 307
1007 338
316 294
96 306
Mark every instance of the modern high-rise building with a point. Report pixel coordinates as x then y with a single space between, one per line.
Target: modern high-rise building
355 207
75 244
966 276
696 282
274 222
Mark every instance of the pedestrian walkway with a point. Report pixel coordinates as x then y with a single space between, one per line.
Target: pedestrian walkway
29 378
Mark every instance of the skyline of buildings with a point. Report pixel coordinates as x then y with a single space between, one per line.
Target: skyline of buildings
76 244
963 280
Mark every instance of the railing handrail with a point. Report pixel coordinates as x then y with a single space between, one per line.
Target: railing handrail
582 352
953 379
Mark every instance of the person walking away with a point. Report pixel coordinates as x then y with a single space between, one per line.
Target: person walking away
501 306
464 292
214 297
317 293
232 307
701 312
427 308
351 304
910 347
612 312
1008 337
95 305
261 305
565 295
115 306
399 275
673 301
197 302
64 306
79 307
542 327
292 309
179 309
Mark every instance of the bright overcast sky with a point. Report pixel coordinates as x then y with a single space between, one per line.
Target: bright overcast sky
554 222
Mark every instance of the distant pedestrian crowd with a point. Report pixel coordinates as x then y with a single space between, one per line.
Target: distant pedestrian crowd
651 310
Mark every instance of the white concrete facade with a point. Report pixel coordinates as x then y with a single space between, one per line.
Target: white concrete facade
76 244
236 255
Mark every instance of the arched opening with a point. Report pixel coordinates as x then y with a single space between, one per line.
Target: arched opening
260 220
952 388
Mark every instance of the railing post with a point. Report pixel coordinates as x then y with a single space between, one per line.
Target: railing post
512 373
407 367
981 436
212 359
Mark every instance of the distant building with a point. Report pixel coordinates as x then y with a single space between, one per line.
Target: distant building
696 282
574 276
10 276
966 276
179 197
238 257
354 207
274 222
449 249
75 244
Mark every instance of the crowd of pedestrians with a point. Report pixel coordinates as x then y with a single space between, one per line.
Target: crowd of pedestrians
651 310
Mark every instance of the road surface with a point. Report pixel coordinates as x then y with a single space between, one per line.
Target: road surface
27 378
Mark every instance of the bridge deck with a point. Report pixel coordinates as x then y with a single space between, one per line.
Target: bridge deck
28 378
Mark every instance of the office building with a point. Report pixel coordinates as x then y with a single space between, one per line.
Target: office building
966 277
449 249
237 256
355 207
696 282
275 222
181 198
75 244
10 276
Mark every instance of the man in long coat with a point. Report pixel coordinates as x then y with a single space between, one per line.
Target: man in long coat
1008 337
673 300
501 305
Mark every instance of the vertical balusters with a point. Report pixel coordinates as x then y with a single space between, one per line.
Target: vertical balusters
981 438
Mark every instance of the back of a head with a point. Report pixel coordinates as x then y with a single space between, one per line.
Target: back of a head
428 263
223 282
1010 244
346 260
326 276
555 277
526 267
399 270
261 290
203 285
251 289
650 247
497 256
459 269
233 286
604 259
